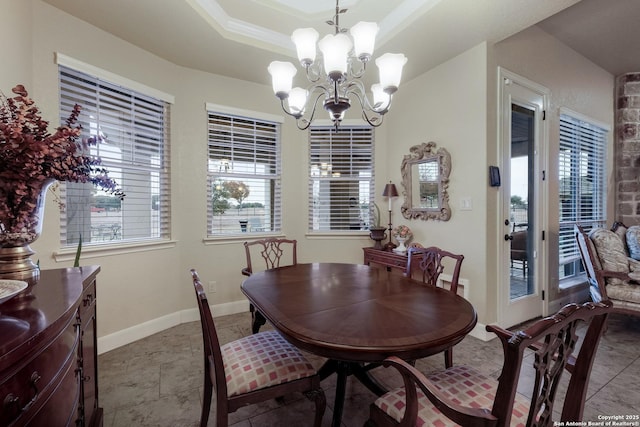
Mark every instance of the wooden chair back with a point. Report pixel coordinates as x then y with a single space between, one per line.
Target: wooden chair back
212 355
553 340
287 376
274 252
427 264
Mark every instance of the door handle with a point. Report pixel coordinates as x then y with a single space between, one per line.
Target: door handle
508 237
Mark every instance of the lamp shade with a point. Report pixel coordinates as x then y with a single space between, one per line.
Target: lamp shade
390 190
364 39
297 101
390 67
305 40
335 51
282 77
380 97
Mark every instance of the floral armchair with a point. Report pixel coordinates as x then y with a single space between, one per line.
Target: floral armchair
611 259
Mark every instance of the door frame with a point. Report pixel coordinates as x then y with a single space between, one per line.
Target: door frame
541 216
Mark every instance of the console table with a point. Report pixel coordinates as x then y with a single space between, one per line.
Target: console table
48 352
391 260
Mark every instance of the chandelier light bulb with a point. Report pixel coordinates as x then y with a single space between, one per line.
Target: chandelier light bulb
305 40
282 77
364 39
335 52
390 67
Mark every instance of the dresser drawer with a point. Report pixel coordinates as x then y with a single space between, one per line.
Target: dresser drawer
61 406
36 377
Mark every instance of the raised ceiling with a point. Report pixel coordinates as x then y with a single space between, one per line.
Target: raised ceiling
239 38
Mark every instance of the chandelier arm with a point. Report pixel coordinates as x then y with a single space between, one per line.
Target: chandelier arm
304 123
360 73
314 74
378 117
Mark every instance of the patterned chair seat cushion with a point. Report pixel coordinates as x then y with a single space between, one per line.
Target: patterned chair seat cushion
262 360
464 386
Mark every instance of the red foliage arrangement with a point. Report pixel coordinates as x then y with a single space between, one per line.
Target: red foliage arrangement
30 157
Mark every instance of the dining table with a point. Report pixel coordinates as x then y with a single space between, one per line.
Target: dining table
357 315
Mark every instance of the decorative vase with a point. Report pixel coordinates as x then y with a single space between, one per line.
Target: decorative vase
401 249
378 235
21 217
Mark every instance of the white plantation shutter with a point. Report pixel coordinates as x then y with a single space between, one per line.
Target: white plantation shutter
582 185
243 175
134 129
341 190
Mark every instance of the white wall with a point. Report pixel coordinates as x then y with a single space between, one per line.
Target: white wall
447 105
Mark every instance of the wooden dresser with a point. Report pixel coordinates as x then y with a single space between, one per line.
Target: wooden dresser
391 260
48 352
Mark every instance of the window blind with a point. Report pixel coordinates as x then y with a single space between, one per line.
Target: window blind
134 130
582 185
243 175
341 173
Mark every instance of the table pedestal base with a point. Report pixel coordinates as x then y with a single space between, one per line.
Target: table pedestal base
343 370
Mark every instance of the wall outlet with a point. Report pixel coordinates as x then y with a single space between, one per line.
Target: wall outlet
466 204
213 286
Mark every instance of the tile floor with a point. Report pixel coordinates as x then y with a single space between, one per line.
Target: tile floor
157 381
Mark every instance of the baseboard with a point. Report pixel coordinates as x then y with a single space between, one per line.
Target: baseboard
143 330
480 332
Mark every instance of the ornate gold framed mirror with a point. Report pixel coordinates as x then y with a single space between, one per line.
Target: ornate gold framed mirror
425 178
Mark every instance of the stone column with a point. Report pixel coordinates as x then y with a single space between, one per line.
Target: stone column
627 149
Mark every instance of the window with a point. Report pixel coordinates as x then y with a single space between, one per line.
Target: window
341 188
134 149
582 185
243 174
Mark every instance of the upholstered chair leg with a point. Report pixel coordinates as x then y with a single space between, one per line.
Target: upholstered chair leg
448 357
321 404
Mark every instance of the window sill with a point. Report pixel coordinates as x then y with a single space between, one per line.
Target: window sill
572 283
97 251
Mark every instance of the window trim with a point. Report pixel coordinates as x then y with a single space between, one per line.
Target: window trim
211 239
332 234
577 279
121 246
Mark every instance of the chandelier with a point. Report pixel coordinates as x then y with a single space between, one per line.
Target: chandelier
338 79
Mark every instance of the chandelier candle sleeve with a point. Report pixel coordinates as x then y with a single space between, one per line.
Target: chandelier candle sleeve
335 80
305 40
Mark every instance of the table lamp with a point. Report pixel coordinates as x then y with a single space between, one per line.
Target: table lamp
390 192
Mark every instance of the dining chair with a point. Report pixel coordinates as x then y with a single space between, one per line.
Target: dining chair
252 369
275 253
462 395
427 264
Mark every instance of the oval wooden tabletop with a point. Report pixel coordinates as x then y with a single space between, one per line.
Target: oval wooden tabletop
358 313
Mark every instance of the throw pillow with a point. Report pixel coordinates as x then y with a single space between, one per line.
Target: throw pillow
633 241
611 252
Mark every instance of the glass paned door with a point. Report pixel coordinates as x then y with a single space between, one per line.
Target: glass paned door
521 212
